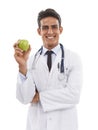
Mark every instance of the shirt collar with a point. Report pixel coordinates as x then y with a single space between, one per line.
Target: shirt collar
55 49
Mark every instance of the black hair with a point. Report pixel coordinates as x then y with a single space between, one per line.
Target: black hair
48 12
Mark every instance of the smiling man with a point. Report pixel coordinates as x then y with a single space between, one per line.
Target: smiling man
51 83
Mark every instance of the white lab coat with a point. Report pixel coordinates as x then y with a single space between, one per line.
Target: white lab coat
59 93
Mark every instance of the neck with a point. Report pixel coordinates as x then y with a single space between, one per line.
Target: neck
50 47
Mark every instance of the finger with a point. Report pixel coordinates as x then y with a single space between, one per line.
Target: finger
16 56
18 53
29 49
18 49
15 45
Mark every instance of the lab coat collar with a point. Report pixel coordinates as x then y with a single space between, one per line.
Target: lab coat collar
55 50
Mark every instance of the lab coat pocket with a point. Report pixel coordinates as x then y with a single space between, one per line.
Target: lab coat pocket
63 77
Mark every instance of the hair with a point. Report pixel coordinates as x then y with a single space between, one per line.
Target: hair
48 13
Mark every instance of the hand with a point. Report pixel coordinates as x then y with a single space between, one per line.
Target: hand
36 98
21 57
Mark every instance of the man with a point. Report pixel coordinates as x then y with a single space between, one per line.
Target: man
52 80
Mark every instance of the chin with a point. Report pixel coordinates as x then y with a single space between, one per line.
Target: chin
51 45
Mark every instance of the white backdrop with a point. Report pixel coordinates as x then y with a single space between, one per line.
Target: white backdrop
18 19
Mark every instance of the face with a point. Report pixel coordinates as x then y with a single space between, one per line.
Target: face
50 31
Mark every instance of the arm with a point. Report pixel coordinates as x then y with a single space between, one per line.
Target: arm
25 88
67 94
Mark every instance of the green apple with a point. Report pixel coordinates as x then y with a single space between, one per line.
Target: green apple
23 44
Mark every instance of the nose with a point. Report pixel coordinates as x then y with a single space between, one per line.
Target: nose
50 31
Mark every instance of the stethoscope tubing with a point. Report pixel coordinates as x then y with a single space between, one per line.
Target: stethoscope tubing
62 57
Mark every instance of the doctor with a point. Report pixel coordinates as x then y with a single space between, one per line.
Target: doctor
52 92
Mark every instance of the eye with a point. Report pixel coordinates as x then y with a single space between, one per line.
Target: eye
45 27
55 27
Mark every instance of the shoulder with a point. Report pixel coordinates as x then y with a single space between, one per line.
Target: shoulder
71 53
72 57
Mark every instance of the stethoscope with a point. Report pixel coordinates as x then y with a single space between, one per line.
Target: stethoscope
60 65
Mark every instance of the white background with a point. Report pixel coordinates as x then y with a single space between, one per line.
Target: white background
18 19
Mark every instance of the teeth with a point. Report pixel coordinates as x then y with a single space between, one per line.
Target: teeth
50 37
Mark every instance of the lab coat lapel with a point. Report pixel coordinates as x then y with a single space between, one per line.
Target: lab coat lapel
42 63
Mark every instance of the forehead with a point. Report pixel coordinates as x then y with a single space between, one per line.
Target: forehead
49 21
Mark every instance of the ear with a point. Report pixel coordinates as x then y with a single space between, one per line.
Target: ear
61 29
39 31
